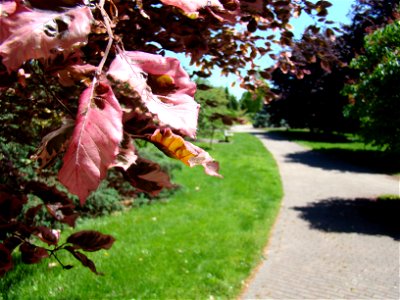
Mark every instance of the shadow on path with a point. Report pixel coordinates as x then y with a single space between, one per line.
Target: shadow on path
322 159
364 216
353 160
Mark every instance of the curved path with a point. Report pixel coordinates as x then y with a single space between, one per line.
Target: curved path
330 240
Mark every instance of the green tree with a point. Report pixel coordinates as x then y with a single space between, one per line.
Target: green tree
251 102
375 96
219 110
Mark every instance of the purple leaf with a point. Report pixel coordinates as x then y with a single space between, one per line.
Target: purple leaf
63 213
147 176
83 259
90 240
31 254
10 204
47 235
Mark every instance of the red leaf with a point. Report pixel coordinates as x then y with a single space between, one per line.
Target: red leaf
95 142
10 204
42 32
90 240
31 213
63 213
127 153
31 254
325 65
47 235
148 177
75 73
53 143
49 194
168 91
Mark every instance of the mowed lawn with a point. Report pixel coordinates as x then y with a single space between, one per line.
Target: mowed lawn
202 243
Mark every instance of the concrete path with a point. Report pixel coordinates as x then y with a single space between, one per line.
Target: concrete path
330 240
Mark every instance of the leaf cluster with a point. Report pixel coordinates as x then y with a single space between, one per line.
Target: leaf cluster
84 80
375 94
219 109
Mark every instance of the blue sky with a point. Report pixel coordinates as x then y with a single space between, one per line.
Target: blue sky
338 12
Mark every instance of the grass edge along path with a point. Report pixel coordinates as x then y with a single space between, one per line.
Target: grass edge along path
202 244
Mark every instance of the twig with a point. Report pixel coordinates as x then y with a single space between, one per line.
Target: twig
107 23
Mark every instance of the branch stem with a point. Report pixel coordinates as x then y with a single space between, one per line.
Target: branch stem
107 23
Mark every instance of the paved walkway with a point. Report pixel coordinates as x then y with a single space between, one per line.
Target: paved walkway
330 241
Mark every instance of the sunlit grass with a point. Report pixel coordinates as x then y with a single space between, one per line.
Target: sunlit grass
201 243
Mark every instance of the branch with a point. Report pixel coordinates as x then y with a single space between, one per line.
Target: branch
107 23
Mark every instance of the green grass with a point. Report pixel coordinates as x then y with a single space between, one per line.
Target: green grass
202 243
345 147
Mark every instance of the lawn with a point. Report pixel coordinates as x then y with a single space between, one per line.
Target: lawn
345 147
201 243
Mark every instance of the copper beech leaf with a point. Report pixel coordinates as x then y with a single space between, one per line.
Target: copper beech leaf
42 32
90 240
94 143
176 147
148 177
47 235
31 254
53 143
166 89
127 153
86 262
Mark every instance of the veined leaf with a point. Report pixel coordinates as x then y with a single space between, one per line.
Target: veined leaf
166 91
148 177
90 240
176 147
42 32
95 142
53 143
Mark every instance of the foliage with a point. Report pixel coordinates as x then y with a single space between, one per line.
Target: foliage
83 80
311 98
219 110
251 102
103 201
205 241
375 95
313 102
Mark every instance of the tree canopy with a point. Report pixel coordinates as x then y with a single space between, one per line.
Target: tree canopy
375 95
82 81
312 98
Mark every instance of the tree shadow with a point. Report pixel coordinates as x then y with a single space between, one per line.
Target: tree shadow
363 161
279 134
364 216
354 160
